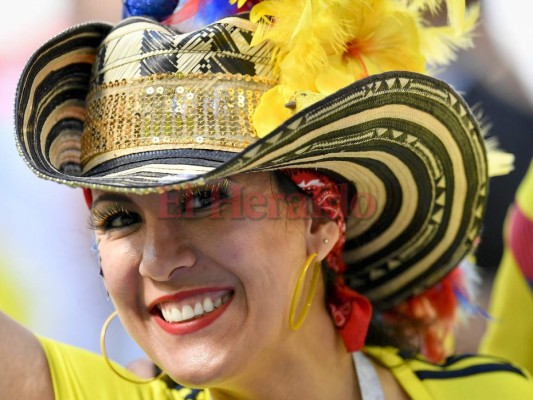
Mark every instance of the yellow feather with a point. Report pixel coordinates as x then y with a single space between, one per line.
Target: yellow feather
323 45
456 13
433 6
305 20
440 44
499 161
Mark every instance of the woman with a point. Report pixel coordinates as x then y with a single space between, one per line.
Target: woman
247 268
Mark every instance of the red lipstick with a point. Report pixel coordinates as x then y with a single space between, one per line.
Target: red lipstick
200 321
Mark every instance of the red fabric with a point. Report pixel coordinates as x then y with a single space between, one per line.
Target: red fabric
192 8
520 239
189 10
88 195
351 312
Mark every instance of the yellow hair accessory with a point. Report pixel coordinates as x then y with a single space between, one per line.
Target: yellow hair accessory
322 46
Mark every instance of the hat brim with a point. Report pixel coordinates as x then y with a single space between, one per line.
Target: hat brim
407 142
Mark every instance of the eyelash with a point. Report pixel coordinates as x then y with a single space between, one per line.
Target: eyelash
101 219
211 193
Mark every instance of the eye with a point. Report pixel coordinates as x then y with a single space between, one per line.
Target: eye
113 216
200 199
121 220
203 198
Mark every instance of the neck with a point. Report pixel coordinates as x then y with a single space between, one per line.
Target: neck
313 364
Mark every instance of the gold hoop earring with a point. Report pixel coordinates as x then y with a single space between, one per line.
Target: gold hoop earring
294 323
110 364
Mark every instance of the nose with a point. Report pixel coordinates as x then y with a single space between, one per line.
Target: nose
166 251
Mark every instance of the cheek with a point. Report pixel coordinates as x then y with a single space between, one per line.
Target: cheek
119 262
265 259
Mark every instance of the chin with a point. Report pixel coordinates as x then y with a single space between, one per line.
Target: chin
201 368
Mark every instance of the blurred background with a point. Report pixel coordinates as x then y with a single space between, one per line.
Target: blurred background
48 274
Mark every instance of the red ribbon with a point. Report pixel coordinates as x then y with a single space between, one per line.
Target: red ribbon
351 313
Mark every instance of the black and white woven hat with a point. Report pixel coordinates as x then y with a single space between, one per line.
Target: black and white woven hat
140 108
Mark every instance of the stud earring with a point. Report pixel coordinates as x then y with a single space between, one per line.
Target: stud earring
325 241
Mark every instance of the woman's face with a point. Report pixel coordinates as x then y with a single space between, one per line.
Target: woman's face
203 280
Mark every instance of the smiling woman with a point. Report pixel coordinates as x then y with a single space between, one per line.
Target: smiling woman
199 294
278 211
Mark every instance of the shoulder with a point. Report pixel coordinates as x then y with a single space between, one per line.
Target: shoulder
471 376
79 374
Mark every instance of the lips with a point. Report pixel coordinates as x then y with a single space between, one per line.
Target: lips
190 311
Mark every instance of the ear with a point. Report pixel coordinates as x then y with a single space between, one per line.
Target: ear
321 236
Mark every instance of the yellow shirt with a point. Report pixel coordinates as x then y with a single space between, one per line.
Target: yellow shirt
468 376
78 375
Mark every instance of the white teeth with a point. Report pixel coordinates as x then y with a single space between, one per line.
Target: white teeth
173 313
176 315
165 313
208 305
187 312
198 309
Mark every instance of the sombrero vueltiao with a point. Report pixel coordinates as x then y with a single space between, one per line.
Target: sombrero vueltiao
161 110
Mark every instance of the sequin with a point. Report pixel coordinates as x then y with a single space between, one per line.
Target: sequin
211 110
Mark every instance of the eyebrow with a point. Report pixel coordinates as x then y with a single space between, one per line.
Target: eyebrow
112 197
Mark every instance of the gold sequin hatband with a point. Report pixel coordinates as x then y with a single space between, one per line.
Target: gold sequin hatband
170 111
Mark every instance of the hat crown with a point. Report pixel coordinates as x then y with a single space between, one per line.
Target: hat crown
141 47
153 89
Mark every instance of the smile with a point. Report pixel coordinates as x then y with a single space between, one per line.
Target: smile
189 311
174 312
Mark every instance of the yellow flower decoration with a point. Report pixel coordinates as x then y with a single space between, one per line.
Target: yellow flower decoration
322 46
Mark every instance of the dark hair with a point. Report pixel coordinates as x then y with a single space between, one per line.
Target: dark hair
380 331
